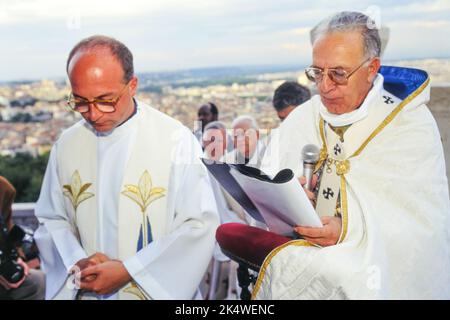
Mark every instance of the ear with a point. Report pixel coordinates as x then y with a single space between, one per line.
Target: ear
374 66
133 86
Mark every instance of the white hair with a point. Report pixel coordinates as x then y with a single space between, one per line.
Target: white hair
351 21
245 118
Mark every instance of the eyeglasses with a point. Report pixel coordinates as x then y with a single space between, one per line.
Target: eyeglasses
337 75
103 105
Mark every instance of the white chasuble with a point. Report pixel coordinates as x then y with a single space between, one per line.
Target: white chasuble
136 184
394 243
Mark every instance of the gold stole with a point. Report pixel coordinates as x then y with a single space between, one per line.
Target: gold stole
329 188
337 154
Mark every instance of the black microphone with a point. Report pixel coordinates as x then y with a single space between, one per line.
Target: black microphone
310 156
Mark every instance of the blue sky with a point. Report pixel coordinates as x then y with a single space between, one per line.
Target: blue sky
37 35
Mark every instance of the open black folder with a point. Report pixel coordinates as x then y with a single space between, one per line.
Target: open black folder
279 202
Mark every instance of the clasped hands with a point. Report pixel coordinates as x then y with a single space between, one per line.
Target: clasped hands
100 274
329 234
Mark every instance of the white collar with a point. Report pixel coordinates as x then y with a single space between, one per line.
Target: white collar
345 119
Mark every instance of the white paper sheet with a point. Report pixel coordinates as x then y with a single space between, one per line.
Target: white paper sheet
282 205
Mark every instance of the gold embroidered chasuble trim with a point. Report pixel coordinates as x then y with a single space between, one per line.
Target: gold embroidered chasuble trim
262 272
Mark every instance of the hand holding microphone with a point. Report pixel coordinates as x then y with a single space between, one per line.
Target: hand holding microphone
310 156
329 234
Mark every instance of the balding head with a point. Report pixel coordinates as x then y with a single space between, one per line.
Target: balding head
116 49
246 122
96 73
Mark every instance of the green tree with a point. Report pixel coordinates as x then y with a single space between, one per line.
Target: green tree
25 173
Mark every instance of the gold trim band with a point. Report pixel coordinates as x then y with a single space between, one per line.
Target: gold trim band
391 116
344 204
262 271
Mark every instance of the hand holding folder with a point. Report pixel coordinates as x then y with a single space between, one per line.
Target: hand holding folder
281 203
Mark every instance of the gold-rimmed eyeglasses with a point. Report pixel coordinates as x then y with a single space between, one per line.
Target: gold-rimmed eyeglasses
338 75
103 105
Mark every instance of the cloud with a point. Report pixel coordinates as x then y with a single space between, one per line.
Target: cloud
421 7
301 31
431 24
171 34
21 11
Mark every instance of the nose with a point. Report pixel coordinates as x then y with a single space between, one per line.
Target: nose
93 114
326 84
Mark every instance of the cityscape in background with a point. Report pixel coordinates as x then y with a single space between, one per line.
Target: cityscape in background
33 113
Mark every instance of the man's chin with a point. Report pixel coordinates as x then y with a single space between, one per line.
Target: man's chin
102 128
335 108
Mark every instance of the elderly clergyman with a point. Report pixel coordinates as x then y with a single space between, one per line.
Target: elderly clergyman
382 193
126 204
248 147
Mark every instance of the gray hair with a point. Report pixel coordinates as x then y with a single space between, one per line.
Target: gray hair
351 21
247 118
215 125
219 125
117 49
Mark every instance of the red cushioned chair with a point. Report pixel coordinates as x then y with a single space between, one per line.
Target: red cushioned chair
248 246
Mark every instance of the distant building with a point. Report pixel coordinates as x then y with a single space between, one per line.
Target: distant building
5 109
23 102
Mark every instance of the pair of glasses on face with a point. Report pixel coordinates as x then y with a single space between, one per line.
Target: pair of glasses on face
339 76
103 105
